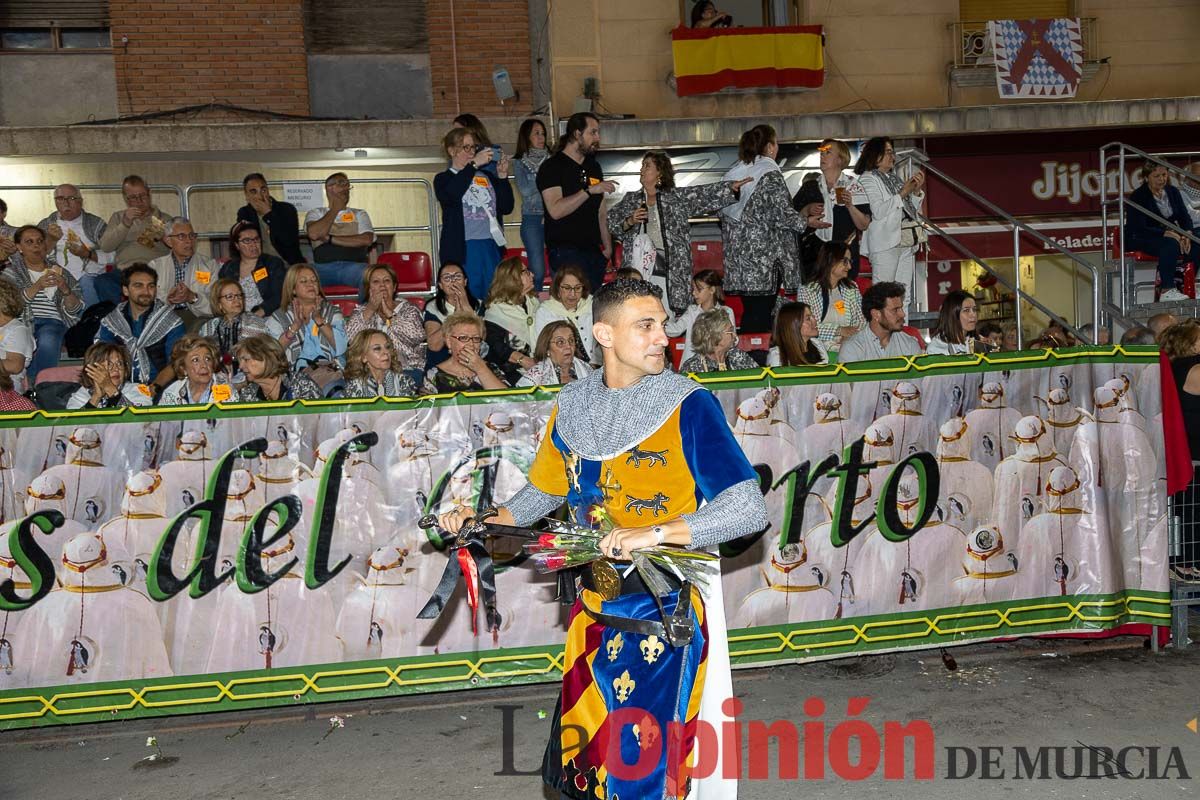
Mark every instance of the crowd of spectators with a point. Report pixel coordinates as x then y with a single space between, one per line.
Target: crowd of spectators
167 323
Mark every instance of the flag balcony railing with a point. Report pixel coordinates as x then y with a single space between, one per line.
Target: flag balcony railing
973 61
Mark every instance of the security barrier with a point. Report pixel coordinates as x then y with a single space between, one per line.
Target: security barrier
1072 538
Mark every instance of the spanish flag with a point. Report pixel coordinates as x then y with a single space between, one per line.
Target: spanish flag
712 59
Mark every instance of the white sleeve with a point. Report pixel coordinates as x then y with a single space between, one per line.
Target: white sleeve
364 221
315 214
17 339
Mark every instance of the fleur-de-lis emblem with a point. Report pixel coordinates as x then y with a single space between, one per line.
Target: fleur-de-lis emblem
624 686
637 734
651 649
614 647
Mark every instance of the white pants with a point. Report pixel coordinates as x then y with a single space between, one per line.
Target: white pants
718 687
895 264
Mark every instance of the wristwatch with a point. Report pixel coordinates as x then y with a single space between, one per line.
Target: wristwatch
660 534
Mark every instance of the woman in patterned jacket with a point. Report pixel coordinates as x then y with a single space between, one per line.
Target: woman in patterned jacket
662 210
759 231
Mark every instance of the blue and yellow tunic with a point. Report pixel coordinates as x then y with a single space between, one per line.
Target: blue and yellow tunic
624 692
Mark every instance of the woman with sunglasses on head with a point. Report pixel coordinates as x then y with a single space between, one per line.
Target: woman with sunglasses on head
842 201
260 275
474 203
464 369
895 233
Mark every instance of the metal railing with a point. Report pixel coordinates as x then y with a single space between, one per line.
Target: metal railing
971 47
907 160
168 188
1122 154
431 228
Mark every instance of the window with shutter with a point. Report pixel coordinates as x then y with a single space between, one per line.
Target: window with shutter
351 26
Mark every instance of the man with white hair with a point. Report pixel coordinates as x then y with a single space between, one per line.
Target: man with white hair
74 236
185 276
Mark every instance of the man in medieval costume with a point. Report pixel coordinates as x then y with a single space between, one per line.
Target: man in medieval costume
700 491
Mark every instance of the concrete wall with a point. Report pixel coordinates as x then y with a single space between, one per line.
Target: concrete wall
879 55
384 86
45 89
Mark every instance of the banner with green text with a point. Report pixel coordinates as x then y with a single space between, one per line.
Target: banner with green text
165 561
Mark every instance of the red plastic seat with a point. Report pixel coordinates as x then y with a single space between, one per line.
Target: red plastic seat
916 334
338 291
1132 255
675 349
735 303
414 271
864 282
69 374
346 304
708 254
754 341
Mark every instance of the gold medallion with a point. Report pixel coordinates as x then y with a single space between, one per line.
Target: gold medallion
606 580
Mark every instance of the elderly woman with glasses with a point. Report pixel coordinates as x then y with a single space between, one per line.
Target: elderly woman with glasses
556 359
260 275
267 375
452 296
715 342
104 381
570 300
232 322
465 369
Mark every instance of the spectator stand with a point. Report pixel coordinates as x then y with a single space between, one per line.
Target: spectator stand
1117 158
219 201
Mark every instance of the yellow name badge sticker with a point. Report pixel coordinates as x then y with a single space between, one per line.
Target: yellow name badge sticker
203 278
346 216
315 329
592 181
260 274
144 389
221 392
840 305
481 181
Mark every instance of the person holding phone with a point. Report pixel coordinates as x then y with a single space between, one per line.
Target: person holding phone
474 204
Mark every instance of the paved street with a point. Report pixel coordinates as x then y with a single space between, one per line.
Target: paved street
1068 694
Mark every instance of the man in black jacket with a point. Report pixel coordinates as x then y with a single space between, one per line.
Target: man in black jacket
277 221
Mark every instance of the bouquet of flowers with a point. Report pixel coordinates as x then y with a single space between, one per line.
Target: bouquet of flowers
566 545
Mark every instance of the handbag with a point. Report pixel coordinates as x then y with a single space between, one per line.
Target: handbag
644 257
322 373
912 233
